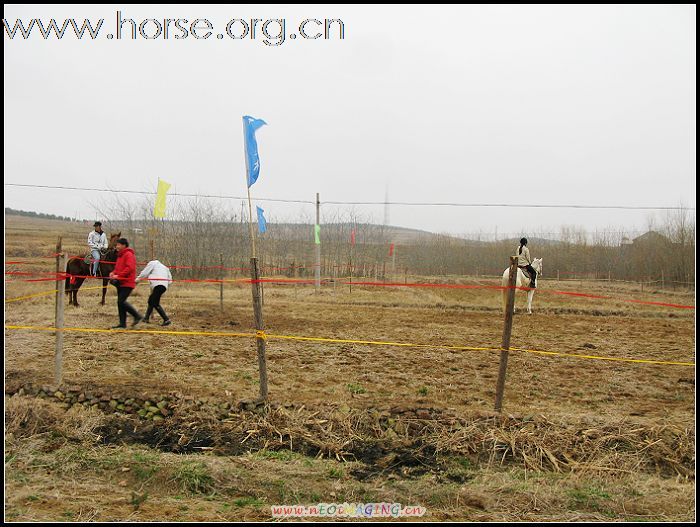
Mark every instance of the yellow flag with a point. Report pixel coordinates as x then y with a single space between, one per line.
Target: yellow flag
159 209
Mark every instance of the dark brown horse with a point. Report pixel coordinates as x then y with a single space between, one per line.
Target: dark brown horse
77 270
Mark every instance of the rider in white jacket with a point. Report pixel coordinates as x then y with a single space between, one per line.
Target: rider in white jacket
524 261
159 277
97 240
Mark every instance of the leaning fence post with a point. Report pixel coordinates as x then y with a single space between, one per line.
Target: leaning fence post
507 327
60 292
259 326
59 244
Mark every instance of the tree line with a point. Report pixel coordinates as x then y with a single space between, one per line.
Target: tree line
200 233
32 214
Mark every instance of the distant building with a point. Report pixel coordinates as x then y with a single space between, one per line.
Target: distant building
651 237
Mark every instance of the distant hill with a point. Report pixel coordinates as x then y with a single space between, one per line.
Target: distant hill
393 234
32 214
300 231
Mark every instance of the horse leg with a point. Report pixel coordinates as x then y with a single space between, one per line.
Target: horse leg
104 289
76 286
530 294
67 289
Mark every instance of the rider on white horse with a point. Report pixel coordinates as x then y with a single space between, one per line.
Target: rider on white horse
521 277
524 261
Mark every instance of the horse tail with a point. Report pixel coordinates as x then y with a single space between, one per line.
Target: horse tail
70 277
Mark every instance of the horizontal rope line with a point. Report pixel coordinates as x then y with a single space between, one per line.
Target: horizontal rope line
333 202
262 335
62 276
45 293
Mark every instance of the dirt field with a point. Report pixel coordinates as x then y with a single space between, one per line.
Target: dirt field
578 439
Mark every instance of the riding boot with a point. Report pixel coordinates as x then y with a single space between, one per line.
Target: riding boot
162 313
147 317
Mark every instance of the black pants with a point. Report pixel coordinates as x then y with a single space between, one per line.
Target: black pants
124 306
533 274
154 302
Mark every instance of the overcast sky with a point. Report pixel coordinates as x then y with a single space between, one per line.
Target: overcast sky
479 104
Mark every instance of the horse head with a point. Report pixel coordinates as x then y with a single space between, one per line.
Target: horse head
113 239
110 255
537 266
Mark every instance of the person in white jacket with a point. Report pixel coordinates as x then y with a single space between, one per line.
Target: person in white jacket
97 241
158 275
524 261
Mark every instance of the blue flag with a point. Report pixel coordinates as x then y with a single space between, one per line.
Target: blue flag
252 159
262 224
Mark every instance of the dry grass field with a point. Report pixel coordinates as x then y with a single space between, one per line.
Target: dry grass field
579 439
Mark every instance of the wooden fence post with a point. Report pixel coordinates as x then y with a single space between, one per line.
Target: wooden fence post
294 274
317 247
259 326
507 328
60 292
221 284
262 292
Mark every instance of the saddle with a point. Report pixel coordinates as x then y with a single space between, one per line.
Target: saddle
532 278
88 259
523 268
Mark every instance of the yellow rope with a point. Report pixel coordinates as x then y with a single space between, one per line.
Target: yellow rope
30 296
262 335
47 293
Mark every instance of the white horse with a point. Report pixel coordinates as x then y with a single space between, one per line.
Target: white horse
522 280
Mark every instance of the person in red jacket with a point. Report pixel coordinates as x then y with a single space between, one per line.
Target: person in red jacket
124 278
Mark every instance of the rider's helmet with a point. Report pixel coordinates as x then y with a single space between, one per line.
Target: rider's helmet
523 241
